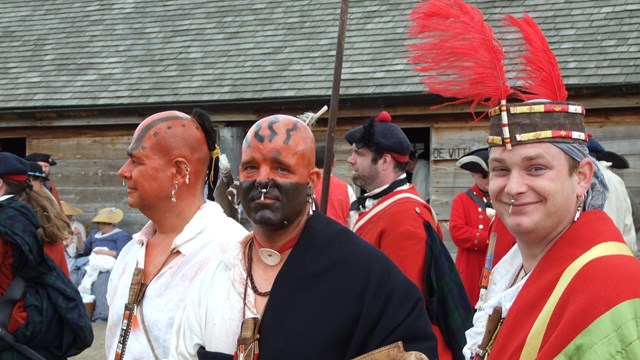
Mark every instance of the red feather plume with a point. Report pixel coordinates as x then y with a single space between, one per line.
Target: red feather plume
539 72
458 52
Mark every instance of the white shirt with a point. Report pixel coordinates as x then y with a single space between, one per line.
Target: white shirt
202 242
499 293
73 244
369 202
618 206
212 314
420 178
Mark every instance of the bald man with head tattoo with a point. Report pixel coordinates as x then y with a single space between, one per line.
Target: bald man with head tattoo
300 286
170 158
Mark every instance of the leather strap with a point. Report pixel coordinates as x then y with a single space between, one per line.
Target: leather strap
9 299
476 199
381 205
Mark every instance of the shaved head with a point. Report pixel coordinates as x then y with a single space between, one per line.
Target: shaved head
168 160
172 134
286 136
277 171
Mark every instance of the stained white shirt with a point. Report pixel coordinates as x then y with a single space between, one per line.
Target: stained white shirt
201 244
213 313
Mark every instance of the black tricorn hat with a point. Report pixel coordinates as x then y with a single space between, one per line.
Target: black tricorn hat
41 157
475 161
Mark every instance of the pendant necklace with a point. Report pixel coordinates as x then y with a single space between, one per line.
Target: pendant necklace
272 257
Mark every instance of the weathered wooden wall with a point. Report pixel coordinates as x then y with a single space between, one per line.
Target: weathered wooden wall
89 157
87 172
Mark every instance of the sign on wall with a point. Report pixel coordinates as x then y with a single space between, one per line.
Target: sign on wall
448 153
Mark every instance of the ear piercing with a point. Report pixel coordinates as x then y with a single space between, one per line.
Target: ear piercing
186 170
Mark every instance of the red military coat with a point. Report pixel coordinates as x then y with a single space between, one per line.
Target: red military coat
469 229
397 228
339 200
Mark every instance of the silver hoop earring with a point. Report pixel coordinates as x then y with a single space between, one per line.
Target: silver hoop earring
173 191
187 169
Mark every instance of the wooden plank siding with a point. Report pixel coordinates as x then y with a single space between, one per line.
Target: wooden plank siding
87 171
89 157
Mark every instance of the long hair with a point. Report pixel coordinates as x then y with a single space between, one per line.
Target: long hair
55 225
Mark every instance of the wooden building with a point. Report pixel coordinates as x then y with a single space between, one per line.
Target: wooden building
77 78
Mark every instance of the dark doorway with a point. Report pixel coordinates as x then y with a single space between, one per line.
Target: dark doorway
17 146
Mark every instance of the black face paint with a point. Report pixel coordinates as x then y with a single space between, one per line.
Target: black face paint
272 133
289 131
286 202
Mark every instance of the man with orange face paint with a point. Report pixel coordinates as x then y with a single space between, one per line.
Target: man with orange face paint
170 158
306 286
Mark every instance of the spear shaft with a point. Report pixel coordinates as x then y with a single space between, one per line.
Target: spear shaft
333 106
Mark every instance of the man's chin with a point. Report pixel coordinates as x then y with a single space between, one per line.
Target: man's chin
269 224
133 203
268 220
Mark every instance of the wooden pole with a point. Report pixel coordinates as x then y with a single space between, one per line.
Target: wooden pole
333 105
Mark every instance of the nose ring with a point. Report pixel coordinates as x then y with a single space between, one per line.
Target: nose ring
511 206
263 190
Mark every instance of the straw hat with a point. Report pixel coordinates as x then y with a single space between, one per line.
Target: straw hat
110 215
68 209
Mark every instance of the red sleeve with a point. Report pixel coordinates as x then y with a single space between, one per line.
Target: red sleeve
56 253
464 229
18 315
407 249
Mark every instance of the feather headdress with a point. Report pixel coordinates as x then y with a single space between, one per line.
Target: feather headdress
458 53
538 70
210 135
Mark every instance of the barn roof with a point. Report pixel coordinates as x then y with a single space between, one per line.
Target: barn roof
69 53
